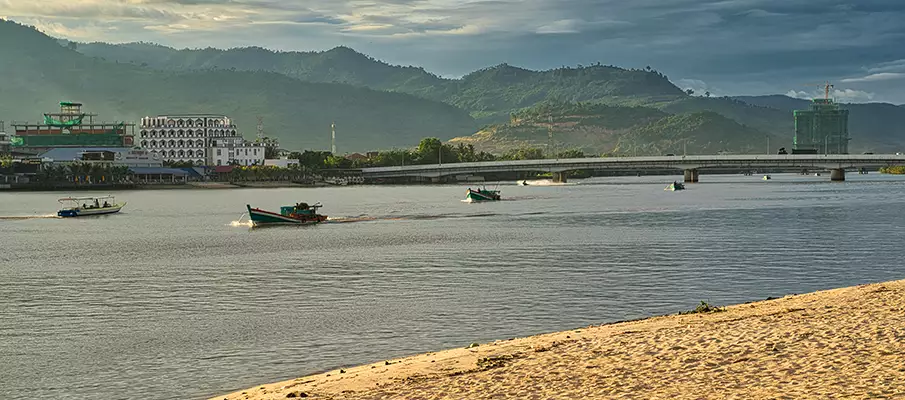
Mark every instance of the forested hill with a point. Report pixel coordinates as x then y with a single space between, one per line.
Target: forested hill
41 72
490 93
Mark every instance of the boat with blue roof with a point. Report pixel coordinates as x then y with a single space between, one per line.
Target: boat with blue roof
86 206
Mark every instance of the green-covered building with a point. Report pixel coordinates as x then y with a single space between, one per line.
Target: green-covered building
821 130
71 127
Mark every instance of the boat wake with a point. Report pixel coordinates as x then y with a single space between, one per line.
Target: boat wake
21 217
241 224
340 220
545 182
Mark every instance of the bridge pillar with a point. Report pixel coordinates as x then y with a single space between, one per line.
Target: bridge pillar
559 177
691 175
837 175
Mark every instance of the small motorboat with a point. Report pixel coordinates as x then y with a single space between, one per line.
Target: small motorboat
472 195
299 214
71 207
675 186
767 177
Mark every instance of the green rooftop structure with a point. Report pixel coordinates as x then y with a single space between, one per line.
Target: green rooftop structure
821 130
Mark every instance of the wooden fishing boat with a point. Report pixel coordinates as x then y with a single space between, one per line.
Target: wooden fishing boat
481 195
299 214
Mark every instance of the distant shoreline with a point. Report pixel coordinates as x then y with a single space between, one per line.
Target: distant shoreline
185 186
836 343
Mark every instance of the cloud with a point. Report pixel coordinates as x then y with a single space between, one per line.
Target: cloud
882 76
841 95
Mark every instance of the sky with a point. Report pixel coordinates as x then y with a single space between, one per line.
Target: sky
727 47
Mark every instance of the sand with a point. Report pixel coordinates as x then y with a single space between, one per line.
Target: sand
842 343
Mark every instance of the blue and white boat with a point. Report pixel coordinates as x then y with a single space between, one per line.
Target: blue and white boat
85 206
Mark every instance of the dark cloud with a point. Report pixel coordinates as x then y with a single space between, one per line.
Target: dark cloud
728 46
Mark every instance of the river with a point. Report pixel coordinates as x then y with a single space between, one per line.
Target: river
171 299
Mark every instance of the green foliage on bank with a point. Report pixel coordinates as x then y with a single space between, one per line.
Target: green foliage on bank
893 170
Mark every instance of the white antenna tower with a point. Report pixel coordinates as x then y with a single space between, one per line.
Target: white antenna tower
333 138
260 128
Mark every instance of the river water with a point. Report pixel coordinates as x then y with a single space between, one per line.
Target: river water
172 300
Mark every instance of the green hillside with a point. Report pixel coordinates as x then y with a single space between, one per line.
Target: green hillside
489 94
299 113
492 94
620 130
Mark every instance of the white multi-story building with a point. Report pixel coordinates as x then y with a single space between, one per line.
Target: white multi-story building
200 139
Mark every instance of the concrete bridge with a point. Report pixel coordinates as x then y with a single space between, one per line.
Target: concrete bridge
691 165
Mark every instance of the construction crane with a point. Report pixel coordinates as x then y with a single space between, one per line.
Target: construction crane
826 88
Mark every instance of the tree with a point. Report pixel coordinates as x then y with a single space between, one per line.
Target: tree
525 153
689 92
572 153
707 94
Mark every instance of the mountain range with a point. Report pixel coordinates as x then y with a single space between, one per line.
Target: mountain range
378 106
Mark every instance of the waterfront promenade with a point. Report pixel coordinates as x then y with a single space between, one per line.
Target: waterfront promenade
842 343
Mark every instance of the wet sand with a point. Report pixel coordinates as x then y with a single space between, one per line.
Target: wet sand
841 343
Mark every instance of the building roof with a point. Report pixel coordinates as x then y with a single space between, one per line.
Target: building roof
155 171
194 172
72 153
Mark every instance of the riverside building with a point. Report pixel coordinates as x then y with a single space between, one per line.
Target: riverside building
202 139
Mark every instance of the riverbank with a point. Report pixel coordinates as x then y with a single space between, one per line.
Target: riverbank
841 343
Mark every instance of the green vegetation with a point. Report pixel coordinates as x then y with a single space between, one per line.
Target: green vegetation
82 173
704 308
893 170
619 130
298 113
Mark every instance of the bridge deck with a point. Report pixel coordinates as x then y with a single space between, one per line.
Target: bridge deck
811 161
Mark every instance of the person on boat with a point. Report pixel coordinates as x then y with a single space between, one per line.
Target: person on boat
675 183
84 205
106 204
97 204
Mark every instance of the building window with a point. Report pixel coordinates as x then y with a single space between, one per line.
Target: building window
153 143
180 143
190 133
172 133
153 133
199 143
219 162
190 153
172 143
218 152
199 153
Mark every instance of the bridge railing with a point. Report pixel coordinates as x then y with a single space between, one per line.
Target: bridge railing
678 162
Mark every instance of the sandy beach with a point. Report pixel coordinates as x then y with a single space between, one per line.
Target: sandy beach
841 343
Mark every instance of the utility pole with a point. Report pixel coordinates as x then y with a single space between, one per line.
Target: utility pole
768 145
550 138
260 133
440 154
333 138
